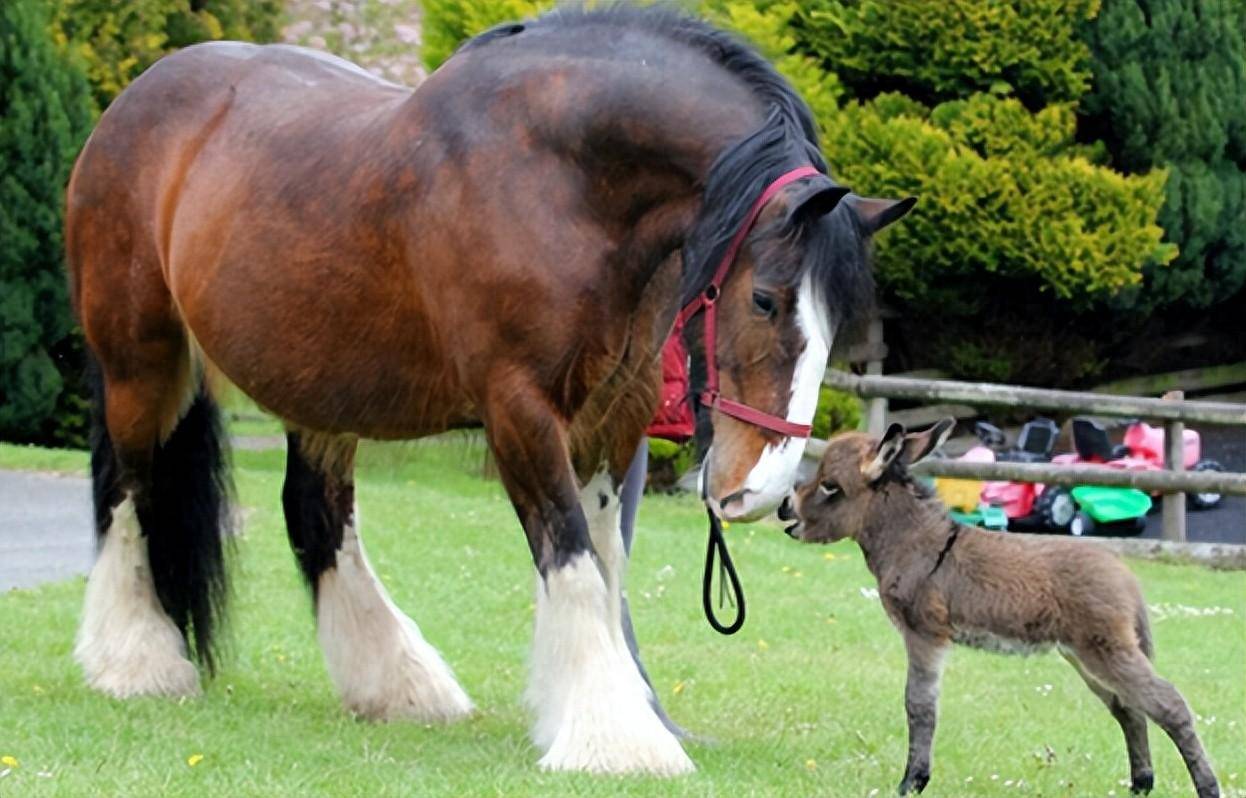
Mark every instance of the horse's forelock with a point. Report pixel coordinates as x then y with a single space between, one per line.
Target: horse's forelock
837 256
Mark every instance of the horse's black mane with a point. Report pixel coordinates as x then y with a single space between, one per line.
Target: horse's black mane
835 245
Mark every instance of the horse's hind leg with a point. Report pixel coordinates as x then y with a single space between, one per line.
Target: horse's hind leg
1132 723
160 491
593 709
1130 676
378 660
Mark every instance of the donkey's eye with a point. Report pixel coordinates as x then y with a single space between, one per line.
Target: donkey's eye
763 304
828 489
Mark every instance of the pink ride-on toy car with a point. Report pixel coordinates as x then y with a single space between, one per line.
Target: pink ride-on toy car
1141 450
1029 506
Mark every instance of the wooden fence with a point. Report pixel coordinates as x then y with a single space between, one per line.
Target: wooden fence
1173 410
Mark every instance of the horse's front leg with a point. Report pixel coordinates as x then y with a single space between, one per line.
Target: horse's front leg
593 709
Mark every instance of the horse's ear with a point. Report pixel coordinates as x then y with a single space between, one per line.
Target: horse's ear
813 198
875 214
889 449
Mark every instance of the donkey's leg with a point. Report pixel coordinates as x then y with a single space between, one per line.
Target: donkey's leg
1132 723
160 491
377 658
593 710
1129 675
630 494
921 705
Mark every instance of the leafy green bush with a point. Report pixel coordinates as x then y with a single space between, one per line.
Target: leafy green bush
117 41
58 63
668 461
953 48
1170 91
971 107
47 114
837 412
995 201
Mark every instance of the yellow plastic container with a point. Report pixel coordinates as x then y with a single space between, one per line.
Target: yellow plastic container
959 494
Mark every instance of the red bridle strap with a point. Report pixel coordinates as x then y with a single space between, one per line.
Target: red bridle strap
707 300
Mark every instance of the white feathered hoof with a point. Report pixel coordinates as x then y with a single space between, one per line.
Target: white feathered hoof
593 710
382 666
405 680
148 667
614 734
127 645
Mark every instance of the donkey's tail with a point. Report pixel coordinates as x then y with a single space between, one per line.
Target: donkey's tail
1142 627
183 513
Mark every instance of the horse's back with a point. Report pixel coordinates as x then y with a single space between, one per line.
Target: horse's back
195 126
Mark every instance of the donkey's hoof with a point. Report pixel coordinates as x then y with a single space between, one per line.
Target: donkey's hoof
914 781
1142 783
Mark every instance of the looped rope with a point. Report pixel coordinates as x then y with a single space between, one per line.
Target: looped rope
727 576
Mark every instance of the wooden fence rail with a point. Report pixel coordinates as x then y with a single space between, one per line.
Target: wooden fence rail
985 393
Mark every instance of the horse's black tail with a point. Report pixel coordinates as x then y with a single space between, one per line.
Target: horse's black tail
183 511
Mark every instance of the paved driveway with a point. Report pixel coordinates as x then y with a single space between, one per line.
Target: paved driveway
45 528
1227 522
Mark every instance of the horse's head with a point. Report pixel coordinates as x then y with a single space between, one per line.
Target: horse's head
802 272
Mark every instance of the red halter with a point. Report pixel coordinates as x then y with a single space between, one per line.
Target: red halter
707 300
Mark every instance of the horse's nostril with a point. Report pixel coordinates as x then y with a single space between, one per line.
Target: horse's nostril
785 510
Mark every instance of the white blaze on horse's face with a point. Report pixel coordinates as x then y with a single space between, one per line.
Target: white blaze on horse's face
771 478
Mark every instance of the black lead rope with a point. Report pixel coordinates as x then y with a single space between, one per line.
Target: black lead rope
716 546
727 578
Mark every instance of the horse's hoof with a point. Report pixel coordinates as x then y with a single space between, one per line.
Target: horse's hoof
584 751
132 676
127 645
410 682
379 661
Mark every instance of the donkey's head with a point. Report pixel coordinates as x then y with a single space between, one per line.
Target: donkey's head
802 272
839 501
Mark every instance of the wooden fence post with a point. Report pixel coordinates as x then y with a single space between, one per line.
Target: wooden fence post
876 408
1174 460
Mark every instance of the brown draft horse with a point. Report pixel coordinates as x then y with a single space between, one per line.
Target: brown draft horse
506 247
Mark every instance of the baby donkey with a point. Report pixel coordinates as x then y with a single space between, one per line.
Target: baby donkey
942 582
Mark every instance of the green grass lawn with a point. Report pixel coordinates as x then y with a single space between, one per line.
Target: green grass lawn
806 700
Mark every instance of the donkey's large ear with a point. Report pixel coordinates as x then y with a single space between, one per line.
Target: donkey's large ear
921 444
812 198
875 214
888 450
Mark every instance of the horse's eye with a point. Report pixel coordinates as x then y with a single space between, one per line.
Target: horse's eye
828 489
763 304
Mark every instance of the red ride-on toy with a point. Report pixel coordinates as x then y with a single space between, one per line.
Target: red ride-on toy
1141 450
1029 506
